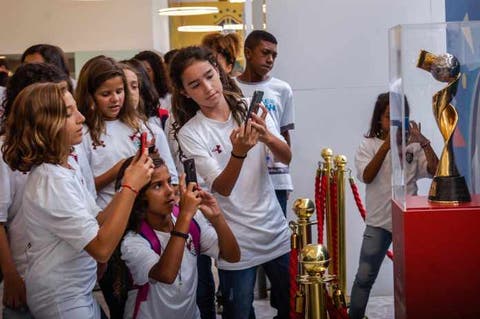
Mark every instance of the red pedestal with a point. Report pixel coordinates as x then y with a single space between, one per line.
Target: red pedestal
437 260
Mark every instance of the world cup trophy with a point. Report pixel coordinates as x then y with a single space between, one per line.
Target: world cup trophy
448 186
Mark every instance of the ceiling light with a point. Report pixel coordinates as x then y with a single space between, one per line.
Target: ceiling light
187 11
236 1
235 26
200 28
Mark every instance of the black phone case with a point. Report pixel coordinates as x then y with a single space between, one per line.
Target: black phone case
190 171
256 98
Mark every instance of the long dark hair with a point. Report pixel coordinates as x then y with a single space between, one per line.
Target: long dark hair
160 74
184 108
140 205
26 75
383 101
51 54
94 73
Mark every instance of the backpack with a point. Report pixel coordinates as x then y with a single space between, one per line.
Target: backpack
147 232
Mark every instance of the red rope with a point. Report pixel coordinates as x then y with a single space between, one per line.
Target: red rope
334 312
293 282
320 196
333 222
361 208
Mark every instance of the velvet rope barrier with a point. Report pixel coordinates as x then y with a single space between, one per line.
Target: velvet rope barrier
320 196
333 216
293 282
334 312
361 208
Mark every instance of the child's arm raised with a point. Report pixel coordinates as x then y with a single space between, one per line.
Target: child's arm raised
227 243
243 139
166 269
114 218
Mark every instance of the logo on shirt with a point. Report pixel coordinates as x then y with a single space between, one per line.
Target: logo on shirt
190 245
102 144
409 157
217 149
270 105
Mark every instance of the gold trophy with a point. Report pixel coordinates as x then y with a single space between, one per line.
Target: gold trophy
448 186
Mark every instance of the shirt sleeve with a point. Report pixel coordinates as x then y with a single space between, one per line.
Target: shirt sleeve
139 257
287 122
207 167
6 196
422 164
208 237
272 127
363 156
67 214
164 151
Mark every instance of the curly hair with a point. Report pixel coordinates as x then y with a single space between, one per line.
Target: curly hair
51 54
28 74
41 139
93 74
228 45
160 74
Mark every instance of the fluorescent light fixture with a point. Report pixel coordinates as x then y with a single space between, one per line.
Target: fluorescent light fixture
236 26
187 11
200 28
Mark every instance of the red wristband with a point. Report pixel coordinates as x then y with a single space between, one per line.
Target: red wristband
130 188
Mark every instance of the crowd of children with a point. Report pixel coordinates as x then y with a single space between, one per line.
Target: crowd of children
91 190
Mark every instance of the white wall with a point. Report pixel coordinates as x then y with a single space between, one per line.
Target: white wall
76 25
334 53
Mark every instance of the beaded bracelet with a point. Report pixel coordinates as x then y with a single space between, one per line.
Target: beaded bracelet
130 188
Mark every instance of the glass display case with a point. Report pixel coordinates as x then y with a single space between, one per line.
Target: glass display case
442 88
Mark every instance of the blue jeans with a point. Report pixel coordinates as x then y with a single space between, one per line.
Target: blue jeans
205 288
23 313
237 289
282 197
375 244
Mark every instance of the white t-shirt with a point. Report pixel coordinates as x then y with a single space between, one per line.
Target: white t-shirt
60 221
252 209
79 156
119 142
278 99
177 300
12 185
162 146
379 191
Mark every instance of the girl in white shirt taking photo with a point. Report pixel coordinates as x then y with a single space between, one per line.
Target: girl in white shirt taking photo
67 231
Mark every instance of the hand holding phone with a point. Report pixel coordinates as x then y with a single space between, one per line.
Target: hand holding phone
253 108
143 142
190 171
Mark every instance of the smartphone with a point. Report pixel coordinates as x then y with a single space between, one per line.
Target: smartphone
190 171
143 142
253 108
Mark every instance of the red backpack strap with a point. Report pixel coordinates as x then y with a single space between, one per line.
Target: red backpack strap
147 232
194 229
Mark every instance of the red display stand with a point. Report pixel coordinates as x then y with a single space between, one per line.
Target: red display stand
437 259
